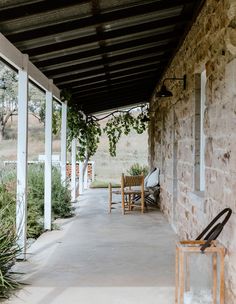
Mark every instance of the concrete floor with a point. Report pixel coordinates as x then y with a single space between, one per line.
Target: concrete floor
101 258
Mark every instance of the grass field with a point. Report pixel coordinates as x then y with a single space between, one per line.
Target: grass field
131 149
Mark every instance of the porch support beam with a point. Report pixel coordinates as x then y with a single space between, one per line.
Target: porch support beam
81 178
63 141
48 161
86 176
22 158
73 169
12 55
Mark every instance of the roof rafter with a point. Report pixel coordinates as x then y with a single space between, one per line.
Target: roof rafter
107 52
36 7
122 13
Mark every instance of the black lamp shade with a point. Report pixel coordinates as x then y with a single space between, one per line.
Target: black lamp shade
164 92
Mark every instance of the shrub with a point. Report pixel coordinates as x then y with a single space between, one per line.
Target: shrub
61 207
8 253
137 169
7 206
61 204
8 247
35 201
61 198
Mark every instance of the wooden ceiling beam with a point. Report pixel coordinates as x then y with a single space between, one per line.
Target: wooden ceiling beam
105 104
116 81
154 40
122 13
139 28
103 77
24 10
154 61
140 86
115 58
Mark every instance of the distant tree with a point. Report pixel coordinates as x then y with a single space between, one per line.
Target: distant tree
9 99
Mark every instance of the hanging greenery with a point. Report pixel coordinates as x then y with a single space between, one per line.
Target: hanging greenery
87 129
84 128
123 124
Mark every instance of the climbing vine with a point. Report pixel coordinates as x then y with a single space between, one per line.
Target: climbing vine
123 124
84 128
87 129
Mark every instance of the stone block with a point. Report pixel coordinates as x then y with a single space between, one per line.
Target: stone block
210 45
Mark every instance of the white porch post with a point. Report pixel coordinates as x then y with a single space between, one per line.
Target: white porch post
48 160
81 178
86 177
93 170
73 169
22 157
63 141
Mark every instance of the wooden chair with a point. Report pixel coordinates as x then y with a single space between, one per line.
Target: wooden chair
131 188
112 191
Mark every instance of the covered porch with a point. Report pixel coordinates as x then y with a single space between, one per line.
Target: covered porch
111 55
98 257
107 55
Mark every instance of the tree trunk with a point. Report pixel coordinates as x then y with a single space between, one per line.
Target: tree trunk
2 131
85 164
83 172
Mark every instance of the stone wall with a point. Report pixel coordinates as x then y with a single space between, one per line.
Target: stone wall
173 136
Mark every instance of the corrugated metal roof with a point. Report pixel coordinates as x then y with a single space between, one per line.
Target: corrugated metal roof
109 53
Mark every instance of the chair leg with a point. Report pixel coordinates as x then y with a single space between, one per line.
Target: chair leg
130 201
123 203
142 204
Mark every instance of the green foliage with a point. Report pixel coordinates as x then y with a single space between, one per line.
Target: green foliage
61 204
86 130
8 247
35 201
56 118
61 198
10 80
8 94
123 124
7 206
37 103
8 252
137 169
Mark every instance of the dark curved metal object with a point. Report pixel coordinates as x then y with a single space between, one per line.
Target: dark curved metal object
209 234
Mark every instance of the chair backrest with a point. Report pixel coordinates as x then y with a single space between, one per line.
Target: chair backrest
131 185
130 181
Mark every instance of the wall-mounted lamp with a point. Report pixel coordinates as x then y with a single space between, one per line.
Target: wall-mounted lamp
164 92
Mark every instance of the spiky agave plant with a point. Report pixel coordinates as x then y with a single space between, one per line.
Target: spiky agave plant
8 252
8 242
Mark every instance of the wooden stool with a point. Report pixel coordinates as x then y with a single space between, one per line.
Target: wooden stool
186 248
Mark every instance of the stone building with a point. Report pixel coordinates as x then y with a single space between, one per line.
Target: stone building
110 54
192 135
